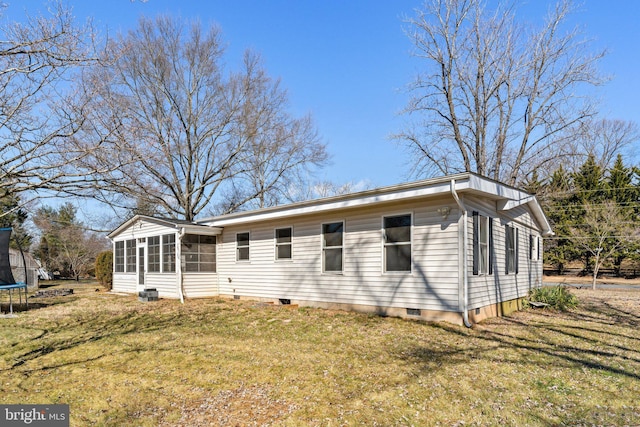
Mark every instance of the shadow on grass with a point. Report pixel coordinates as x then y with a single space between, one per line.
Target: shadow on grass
36 304
575 345
76 331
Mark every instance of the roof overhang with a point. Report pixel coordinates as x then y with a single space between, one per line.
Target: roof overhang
505 196
183 227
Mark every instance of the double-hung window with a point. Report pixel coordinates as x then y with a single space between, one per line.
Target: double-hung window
242 247
283 243
397 243
332 247
153 254
130 256
119 257
534 247
511 249
169 253
482 244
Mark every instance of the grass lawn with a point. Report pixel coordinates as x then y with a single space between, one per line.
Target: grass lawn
117 361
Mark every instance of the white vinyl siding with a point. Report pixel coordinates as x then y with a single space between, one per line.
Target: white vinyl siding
195 284
490 289
433 283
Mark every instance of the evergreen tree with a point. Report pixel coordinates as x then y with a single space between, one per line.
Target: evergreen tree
589 182
558 204
622 191
590 189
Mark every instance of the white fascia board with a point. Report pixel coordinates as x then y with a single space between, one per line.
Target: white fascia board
464 182
188 228
203 230
123 227
371 197
508 204
495 188
510 198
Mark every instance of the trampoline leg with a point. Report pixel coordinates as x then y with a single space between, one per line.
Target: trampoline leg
10 302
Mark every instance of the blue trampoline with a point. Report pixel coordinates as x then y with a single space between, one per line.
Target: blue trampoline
7 282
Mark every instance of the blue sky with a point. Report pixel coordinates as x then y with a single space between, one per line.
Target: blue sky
346 62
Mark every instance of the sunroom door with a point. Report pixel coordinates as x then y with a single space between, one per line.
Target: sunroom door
141 268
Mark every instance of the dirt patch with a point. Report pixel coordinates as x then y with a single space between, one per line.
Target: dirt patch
47 293
243 406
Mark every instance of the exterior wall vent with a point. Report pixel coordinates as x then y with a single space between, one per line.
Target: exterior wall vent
236 297
477 311
414 312
285 301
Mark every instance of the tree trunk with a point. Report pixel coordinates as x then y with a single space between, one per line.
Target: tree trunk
596 267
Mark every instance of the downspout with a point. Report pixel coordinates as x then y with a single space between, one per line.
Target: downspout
465 266
181 234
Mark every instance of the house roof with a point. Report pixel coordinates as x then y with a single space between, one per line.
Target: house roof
506 198
177 224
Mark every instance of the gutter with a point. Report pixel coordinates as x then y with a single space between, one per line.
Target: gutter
181 234
465 262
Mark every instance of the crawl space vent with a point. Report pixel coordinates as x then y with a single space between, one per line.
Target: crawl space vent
285 301
413 312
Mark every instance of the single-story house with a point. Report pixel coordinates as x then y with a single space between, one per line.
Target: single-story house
458 248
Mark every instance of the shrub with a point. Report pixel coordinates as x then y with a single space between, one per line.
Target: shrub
558 297
104 268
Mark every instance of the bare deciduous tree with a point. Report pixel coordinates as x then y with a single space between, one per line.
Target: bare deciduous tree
66 245
496 97
37 59
605 229
174 127
605 139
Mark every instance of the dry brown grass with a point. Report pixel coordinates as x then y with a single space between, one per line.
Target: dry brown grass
117 361
586 280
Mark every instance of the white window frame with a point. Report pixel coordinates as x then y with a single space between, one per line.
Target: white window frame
325 248
157 261
511 249
247 246
163 254
198 253
386 244
130 254
483 246
279 244
119 257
